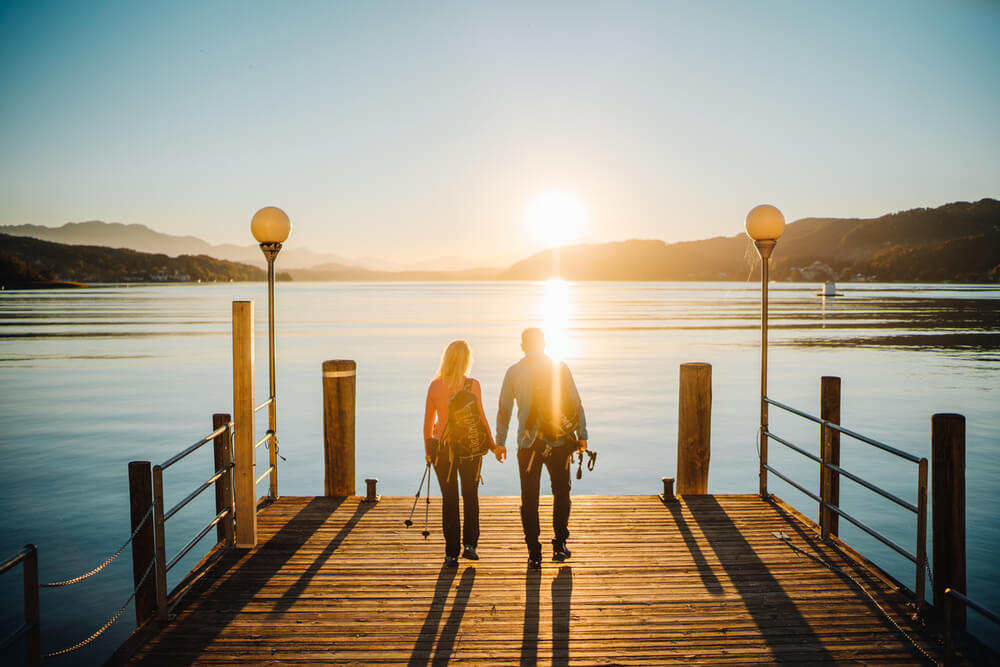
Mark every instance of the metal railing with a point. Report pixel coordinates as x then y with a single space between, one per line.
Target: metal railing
225 508
951 597
829 484
30 628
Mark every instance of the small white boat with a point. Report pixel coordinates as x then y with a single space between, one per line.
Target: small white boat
829 289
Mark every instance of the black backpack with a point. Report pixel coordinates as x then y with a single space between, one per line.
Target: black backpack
552 409
465 434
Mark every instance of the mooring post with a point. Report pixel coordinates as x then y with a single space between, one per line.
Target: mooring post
339 376
140 493
829 410
948 509
225 530
244 485
694 426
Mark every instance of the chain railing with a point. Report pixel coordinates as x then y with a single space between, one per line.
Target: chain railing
828 498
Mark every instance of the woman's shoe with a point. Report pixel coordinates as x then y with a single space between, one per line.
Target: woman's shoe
451 561
470 553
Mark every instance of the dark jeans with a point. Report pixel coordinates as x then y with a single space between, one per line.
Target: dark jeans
530 481
467 470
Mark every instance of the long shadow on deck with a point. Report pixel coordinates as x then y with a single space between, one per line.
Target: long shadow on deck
241 581
788 634
424 650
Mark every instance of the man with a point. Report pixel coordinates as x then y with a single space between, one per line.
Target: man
551 427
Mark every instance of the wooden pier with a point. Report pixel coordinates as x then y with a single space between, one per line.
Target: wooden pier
703 579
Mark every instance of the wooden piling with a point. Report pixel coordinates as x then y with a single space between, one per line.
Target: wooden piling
140 492
32 609
829 410
339 376
948 509
694 426
225 530
244 484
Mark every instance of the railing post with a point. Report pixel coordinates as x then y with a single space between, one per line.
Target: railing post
161 547
224 485
339 378
244 487
140 491
948 499
32 609
921 586
829 410
694 428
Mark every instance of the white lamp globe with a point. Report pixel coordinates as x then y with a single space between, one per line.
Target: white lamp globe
765 223
270 225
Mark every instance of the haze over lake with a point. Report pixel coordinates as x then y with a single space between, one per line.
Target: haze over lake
93 379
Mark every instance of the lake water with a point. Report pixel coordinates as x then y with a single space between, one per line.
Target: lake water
95 378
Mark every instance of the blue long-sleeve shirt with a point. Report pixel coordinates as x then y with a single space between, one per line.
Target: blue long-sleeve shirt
517 388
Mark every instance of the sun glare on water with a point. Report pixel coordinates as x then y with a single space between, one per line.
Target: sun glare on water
556 218
555 319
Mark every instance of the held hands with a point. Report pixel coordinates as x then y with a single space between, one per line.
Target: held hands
500 452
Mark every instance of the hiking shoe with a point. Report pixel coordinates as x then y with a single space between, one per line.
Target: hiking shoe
451 561
470 553
534 563
560 551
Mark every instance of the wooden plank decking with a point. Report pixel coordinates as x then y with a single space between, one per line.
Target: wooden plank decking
701 580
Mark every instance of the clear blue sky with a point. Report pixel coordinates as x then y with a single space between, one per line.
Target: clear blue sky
419 129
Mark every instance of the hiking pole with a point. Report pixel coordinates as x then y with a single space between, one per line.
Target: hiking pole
427 507
409 521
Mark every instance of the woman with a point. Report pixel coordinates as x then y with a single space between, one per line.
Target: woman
449 467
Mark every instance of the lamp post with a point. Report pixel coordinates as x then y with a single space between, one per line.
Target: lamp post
270 226
764 226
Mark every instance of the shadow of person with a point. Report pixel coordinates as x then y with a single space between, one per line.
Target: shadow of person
562 593
446 641
424 645
529 636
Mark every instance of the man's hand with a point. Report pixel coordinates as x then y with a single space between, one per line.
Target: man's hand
500 452
581 446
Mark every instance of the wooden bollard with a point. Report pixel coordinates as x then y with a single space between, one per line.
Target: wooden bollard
948 503
339 377
829 481
244 481
371 490
225 530
694 426
668 489
140 493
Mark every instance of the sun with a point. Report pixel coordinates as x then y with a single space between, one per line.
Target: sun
556 218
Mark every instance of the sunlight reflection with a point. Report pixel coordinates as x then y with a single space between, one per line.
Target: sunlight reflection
555 319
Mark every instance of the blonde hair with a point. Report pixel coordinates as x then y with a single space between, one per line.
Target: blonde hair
455 364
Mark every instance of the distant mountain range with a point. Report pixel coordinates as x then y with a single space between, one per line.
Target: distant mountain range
958 242
144 239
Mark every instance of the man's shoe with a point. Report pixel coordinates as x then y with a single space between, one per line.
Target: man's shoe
534 563
451 561
560 551
470 553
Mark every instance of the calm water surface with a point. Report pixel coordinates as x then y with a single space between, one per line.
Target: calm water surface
95 378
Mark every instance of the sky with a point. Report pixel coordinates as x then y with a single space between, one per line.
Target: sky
412 131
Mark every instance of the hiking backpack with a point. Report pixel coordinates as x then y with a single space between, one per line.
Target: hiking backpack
465 433
552 410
